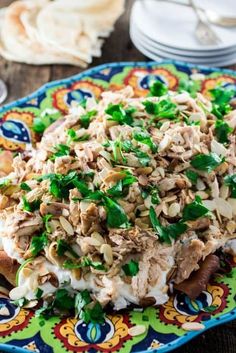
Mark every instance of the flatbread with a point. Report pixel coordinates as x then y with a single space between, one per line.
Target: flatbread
8 267
16 45
95 21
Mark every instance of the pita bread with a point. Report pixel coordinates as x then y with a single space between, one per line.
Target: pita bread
8 267
16 45
95 21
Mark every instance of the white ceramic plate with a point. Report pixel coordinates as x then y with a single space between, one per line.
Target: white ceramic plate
158 55
190 53
174 25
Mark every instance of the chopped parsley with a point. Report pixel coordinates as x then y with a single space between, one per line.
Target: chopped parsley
4 182
25 187
190 86
116 216
145 138
38 243
41 123
194 210
230 180
143 157
158 89
153 192
39 293
63 247
222 130
46 220
85 262
120 115
30 206
169 232
87 310
221 97
164 109
192 176
131 268
206 162
60 151
120 188
85 119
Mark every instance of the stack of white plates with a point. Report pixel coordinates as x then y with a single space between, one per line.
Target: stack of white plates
161 30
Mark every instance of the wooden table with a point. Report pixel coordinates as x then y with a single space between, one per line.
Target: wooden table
24 79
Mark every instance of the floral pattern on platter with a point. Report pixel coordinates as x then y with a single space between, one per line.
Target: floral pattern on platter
107 337
21 328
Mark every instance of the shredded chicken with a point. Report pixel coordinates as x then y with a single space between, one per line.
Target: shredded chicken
120 196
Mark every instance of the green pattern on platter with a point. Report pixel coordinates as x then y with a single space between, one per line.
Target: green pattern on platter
163 325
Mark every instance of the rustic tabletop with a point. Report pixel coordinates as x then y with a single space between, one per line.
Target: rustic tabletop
24 79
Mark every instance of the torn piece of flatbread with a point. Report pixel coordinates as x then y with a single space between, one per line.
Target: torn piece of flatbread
16 45
96 21
8 267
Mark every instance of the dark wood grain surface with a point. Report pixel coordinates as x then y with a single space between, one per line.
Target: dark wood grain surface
23 79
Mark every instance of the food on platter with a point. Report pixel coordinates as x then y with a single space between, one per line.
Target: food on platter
121 202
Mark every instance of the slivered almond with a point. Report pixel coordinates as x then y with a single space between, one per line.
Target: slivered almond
98 237
17 292
66 225
106 250
136 330
192 326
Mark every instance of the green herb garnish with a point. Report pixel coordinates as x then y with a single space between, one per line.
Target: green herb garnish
190 86
86 310
145 138
165 234
194 210
30 206
25 187
116 216
120 115
4 182
63 247
60 151
41 123
38 243
206 162
120 188
46 220
131 268
39 293
222 130
192 176
230 180
85 119
158 89
221 100
164 109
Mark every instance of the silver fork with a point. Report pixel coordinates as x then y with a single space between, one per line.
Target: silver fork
203 32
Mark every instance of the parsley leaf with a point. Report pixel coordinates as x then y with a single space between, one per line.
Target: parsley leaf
221 99
194 210
164 109
86 118
154 192
222 130
63 247
85 262
116 216
42 122
46 220
63 300
192 176
120 188
230 180
120 115
158 89
166 233
39 293
131 268
190 86
85 310
25 187
30 206
145 138
60 151
72 136
206 162
38 243
143 157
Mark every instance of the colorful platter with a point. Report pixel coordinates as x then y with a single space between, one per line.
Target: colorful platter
21 331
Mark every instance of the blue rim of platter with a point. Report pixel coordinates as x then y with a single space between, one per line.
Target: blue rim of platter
208 324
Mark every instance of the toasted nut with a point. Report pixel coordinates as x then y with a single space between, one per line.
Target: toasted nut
144 171
76 272
66 225
91 241
174 209
224 192
17 292
98 237
136 330
192 326
106 250
31 304
3 202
